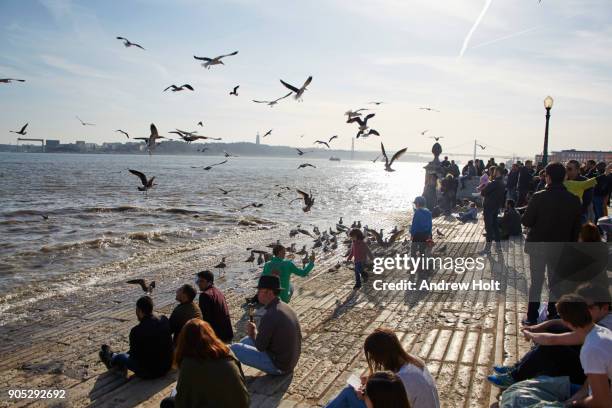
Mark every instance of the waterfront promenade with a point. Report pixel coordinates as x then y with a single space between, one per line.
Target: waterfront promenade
459 334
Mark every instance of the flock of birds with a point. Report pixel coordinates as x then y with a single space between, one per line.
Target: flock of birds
327 240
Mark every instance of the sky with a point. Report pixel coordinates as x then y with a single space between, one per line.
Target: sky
489 86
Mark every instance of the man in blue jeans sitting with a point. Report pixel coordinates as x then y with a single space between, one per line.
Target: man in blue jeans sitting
150 354
275 346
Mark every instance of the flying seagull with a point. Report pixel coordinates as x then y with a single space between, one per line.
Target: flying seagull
369 132
436 138
374 161
200 124
376 103
429 109
175 88
151 141
363 123
146 183
128 43
124 132
21 132
9 80
332 138
216 164
191 136
225 192
85 123
209 62
148 289
226 154
268 133
300 153
301 166
352 114
308 200
350 188
322 142
298 91
274 102
235 91
396 156
481 146
425 131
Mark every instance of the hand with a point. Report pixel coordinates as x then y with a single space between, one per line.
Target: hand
251 329
360 394
528 335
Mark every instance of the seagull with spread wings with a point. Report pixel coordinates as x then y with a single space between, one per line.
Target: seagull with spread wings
151 141
268 133
322 142
85 123
354 113
363 125
332 138
377 103
21 132
146 183
124 132
429 109
235 91
308 200
175 88
274 102
9 80
301 166
396 156
481 146
216 164
297 91
436 138
209 62
128 43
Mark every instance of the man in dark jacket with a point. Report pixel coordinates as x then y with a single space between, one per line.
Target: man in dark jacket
150 354
512 182
525 182
185 311
553 217
214 308
493 194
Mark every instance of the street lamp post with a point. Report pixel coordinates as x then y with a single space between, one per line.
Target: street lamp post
548 103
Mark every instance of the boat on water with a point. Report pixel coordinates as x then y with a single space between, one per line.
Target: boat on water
334 158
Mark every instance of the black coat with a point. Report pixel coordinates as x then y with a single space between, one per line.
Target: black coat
151 346
512 179
494 194
553 215
525 178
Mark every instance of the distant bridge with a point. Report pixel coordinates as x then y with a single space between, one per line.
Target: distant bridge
22 139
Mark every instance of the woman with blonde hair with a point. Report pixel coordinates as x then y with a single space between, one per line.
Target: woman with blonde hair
209 373
384 352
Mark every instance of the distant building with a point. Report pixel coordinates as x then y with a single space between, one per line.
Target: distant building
580 155
257 138
52 143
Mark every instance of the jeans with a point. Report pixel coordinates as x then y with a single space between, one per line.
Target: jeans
123 360
346 399
539 264
247 354
512 194
491 225
554 361
358 272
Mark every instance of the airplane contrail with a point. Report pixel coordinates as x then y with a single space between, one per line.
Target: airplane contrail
468 37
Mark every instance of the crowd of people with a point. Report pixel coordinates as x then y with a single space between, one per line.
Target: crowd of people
556 204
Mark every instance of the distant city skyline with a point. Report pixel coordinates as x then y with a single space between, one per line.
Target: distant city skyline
488 80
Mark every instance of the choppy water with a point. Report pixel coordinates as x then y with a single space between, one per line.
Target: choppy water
95 214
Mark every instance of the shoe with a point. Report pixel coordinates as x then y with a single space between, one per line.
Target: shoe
501 369
502 381
527 322
364 276
106 354
357 286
